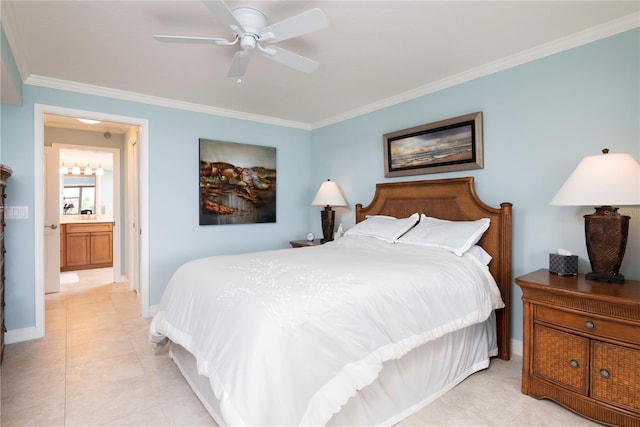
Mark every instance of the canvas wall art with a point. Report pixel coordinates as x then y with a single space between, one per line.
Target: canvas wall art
237 183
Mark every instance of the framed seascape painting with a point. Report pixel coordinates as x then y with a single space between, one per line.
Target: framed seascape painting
237 183
448 145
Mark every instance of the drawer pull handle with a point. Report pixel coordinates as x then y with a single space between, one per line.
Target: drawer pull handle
574 363
604 373
589 324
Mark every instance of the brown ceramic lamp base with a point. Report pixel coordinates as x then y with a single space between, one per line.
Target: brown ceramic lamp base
606 233
328 217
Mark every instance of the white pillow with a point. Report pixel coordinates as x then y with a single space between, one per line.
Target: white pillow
382 227
455 236
480 254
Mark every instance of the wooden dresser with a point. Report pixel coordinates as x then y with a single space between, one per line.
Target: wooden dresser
5 173
582 345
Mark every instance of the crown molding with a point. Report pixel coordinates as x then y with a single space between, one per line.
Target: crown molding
87 89
608 29
602 31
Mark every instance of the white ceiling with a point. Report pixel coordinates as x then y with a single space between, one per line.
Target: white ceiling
373 54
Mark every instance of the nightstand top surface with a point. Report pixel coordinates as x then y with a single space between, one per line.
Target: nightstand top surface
543 279
302 243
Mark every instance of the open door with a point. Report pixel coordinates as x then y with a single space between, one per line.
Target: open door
132 231
51 220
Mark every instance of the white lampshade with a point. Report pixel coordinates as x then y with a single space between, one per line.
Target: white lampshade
606 179
88 170
99 171
75 170
329 195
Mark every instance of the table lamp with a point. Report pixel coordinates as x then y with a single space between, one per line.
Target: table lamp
604 181
328 195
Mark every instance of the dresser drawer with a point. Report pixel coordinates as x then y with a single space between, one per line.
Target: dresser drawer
615 375
585 323
561 358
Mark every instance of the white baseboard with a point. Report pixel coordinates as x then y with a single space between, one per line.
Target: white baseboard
153 309
516 347
19 335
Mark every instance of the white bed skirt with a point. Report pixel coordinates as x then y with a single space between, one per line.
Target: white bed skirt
404 386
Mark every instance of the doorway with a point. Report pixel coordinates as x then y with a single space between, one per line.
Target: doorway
82 194
140 168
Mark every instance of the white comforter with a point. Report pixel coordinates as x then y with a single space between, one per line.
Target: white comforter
286 337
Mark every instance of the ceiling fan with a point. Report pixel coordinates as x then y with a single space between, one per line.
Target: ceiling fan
251 29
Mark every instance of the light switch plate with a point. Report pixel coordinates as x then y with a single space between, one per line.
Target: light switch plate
16 212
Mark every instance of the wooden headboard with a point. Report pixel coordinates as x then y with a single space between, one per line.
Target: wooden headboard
456 200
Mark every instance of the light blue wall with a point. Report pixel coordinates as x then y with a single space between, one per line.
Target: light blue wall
540 120
11 90
174 233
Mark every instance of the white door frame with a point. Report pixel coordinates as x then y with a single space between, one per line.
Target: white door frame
38 209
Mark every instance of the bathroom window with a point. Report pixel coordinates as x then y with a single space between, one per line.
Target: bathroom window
78 196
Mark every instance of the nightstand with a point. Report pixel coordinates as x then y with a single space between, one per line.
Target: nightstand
581 345
304 243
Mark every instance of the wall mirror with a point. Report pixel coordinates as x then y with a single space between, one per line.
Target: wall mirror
79 195
88 189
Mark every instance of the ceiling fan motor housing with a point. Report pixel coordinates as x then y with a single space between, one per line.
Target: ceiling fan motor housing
253 22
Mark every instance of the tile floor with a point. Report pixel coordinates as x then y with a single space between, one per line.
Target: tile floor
95 367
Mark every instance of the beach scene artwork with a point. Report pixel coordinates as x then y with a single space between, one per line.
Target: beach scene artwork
445 146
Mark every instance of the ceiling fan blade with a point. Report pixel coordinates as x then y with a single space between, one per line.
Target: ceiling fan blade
304 23
239 63
290 59
185 39
223 13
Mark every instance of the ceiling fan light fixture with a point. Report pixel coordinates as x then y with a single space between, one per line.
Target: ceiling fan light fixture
248 42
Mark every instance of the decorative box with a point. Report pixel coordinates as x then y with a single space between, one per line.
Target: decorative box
563 265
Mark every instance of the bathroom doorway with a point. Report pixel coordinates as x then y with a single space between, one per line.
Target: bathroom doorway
82 209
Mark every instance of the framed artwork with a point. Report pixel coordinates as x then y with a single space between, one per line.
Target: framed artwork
237 183
448 145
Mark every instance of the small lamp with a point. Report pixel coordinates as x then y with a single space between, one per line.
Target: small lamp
604 180
328 195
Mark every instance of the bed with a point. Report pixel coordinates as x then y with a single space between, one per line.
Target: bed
359 331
